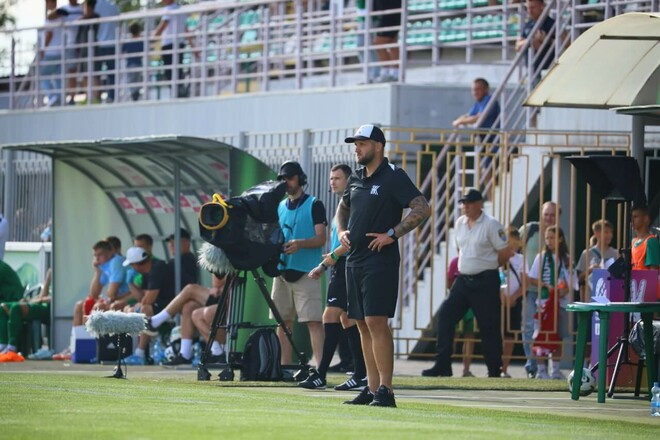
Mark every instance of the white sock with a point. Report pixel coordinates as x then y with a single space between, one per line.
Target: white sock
542 368
11 348
186 348
216 348
160 318
556 370
139 352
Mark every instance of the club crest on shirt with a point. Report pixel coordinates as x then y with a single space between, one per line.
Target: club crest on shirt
374 190
501 233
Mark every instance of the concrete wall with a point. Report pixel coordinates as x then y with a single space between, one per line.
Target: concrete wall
397 105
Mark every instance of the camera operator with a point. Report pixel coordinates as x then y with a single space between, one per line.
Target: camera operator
303 221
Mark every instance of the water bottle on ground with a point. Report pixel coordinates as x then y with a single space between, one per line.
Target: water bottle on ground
655 400
157 352
197 354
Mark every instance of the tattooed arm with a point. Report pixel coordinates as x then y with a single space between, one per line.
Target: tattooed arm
419 211
341 217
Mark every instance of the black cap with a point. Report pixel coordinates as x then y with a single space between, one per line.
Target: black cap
367 131
290 169
184 234
471 196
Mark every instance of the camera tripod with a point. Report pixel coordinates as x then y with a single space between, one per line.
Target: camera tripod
235 285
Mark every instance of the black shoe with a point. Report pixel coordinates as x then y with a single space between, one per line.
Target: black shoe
436 371
149 329
314 381
531 372
364 398
384 397
340 368
178 360
352 384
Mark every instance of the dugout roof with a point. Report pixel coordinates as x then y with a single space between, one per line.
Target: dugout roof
125 187
613 64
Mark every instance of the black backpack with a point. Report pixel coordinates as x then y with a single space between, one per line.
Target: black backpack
261 357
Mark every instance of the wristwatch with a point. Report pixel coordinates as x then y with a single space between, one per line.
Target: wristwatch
391 234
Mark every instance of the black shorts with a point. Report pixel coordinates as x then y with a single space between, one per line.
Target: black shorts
372 291
337 288
211 301
512 318
387 20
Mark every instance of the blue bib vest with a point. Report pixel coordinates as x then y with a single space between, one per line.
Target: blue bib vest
298 224
334 237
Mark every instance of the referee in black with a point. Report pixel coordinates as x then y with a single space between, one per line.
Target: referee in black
369 224
482 249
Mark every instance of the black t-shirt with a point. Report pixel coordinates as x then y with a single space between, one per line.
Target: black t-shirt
549 46
189 269
376 203
161 278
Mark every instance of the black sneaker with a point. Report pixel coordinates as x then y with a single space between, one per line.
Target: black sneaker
384 397
149 329
216 359
352 384
436 371
314 381
364 398
178 360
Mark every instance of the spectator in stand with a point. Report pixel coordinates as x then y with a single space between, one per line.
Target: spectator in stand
544 53
482 96
109 274
645 248
191 298
596 256
134 62
69 13
511 292
388 55
4 235
14 314
50 66
104 51
86 41
373 72
550 274
169 29
467 324
532 235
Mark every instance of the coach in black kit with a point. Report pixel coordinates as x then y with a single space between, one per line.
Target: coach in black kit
369 224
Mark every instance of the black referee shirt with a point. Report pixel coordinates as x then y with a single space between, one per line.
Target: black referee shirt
376 203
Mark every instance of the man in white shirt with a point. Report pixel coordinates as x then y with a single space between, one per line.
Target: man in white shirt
69 13
482 249
50 58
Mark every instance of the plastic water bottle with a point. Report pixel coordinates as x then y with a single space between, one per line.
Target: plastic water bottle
655 400
197 354
157 353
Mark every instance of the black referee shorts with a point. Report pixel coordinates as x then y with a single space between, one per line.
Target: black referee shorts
372 291
337 288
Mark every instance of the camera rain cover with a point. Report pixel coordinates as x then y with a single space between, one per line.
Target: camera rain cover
246 228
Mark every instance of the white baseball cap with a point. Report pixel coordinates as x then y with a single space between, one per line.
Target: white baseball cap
135 255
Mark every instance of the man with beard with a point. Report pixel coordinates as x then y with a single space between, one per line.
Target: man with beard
369 225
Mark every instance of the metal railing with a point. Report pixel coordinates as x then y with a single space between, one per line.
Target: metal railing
234 47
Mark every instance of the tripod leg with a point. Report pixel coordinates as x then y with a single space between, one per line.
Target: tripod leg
617 366
264 291
220 315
